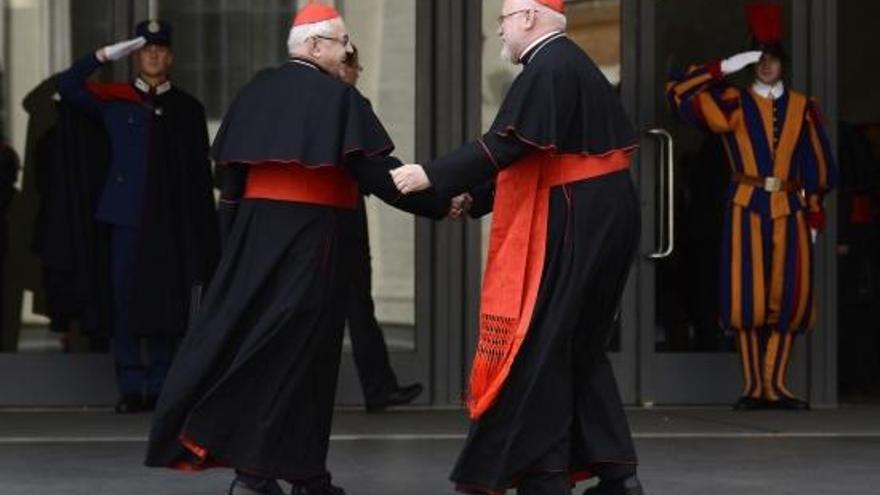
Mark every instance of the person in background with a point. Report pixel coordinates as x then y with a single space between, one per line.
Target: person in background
9 166
378 380
781 169
157 203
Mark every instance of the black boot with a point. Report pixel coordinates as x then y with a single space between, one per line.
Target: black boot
749 403
789 404
398 396
246 484
129 404
629 485
150 403
323 487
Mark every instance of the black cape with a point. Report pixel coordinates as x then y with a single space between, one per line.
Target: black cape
179 241
340 122
70 153
561 100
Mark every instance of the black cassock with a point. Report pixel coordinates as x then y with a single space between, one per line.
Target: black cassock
559 410
253 383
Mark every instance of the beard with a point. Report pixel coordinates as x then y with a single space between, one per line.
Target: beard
507 54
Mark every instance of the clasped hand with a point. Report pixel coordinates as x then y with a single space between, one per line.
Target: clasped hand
411 178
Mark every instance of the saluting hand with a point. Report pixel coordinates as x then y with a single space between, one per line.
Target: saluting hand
410 178
116 51
740 61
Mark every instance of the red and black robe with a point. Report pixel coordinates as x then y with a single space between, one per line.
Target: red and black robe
565 230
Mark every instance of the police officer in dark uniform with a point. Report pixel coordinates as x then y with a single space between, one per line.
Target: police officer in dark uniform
157 201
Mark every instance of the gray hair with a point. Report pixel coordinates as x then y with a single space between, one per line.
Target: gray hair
300 35
555 19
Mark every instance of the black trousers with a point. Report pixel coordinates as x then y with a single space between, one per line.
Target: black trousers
367 341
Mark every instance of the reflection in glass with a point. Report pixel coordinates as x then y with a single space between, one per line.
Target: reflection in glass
40 39
384 32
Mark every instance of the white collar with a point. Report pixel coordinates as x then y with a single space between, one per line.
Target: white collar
547 37
144 86
773 92
307 63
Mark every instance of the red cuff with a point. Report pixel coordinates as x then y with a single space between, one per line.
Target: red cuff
715 69
816 219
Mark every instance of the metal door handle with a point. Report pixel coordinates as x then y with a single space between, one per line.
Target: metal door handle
667 185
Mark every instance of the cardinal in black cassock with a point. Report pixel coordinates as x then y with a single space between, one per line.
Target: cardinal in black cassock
543 399
254 381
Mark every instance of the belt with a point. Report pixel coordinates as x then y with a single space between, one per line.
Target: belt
327 186
769 184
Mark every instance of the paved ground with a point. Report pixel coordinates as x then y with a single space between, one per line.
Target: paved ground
684 452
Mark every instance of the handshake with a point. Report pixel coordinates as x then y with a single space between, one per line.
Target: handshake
412 178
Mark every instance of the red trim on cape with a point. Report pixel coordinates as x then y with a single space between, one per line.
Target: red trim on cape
715 69
114 92
553 148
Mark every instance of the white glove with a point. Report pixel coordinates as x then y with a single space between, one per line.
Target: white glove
740 61
112 53
814 234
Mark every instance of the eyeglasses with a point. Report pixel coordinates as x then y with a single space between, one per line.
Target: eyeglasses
345 41
503 17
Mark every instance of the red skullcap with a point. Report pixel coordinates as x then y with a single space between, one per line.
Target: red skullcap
557 5
315 12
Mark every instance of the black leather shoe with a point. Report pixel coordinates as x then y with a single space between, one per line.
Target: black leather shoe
397 397
150 403
247 485
129 404
748 403
624 486
322 489
789 404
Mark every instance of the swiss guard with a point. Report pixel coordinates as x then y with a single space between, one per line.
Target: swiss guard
155 204
782 167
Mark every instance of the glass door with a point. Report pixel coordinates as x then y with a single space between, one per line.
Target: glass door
685 356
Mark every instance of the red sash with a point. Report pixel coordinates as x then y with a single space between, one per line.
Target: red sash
328 186
517 246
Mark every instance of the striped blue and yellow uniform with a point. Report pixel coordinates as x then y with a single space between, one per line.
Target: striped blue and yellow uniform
766 278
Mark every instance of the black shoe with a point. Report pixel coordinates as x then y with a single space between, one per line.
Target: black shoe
397 397
251 485
624 486
129 404
789 404
748 403
321 489
150 403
